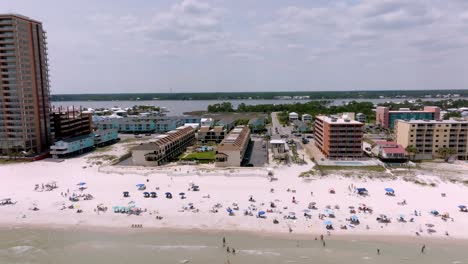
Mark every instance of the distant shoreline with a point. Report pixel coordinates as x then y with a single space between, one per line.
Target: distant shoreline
299 95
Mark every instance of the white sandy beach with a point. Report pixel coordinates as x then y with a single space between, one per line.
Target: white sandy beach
226 188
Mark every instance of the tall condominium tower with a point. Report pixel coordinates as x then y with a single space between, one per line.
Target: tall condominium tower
24 86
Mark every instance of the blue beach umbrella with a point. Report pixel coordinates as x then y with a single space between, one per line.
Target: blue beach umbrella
327 223
390 190
354 217
81 183
261 213
229 210
462 206
140 185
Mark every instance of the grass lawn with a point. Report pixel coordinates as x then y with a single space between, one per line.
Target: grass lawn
11 161
207 155
368 168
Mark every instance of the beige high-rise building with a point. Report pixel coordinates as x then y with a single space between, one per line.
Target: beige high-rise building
428 136
24 86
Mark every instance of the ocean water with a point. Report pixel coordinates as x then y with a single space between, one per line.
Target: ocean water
142 246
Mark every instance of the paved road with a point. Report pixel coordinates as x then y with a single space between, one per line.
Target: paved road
276 124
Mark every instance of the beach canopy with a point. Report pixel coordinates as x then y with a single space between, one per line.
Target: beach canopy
354 217
329 212
462 206
81 183
390 190
261 213
328 223
140 185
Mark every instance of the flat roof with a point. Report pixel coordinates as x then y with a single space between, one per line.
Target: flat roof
418 121
333 120
277 141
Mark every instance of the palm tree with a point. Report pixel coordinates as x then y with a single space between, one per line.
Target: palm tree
412 151
446 153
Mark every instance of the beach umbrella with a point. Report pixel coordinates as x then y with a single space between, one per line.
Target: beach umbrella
261 213
462 206
182 193
81 183
390 190
168 193
329 212
402 216
306 210
354 217
327 223
292 213
229 210
140 185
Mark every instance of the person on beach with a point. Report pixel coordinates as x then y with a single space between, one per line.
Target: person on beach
228 250
233 251
224 241
378 251
423 249
321 237
323 243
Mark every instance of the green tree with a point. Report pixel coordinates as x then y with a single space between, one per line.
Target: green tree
446 153
451 114
412 151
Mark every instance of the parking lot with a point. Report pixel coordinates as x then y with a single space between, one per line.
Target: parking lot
256 154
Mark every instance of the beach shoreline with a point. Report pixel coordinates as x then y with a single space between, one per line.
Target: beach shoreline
363 237
229 189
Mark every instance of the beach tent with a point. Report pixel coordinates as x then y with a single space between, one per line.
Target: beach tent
362 191
153 195
169 195
126 194
328 224
329 212
146 194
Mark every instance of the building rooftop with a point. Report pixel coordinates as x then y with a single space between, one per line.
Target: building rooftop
236 139
163 140
277 141
333 120
391 147
450 121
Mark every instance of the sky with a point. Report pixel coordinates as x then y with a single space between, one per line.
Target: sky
124 46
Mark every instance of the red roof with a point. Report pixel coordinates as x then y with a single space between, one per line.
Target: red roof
391 147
